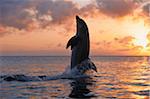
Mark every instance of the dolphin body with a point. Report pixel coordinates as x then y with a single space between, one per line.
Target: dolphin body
80 46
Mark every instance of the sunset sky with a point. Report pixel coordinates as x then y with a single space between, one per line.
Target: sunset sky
43 27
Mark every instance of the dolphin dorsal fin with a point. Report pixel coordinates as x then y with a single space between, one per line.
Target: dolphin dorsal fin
73 42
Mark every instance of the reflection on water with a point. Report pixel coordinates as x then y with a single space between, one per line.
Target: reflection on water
117 77
80 88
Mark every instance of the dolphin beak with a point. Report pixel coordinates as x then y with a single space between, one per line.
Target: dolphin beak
77 18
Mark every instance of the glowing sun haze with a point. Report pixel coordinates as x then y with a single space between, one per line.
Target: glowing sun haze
43 27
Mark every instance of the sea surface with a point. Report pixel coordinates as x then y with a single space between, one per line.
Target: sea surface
117 78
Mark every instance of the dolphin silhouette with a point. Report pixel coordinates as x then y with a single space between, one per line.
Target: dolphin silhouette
80 46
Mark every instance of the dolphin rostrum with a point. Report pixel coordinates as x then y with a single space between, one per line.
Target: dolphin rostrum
80 46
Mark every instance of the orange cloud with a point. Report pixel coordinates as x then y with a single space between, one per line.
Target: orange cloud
122 46
148 36
48 24
126 40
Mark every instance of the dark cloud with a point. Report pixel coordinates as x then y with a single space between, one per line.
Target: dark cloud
30 14
23 14
88 10
12 13
115 8
57 9
17 13
138 1
146 9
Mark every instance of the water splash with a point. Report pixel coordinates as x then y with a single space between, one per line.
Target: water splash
85 69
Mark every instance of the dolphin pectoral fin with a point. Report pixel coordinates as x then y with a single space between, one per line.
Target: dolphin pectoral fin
72 42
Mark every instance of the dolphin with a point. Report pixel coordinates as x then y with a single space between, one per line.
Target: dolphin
80 46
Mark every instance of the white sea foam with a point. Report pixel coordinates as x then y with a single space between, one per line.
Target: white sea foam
81 70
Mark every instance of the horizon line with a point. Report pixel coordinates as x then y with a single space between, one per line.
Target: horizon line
70 56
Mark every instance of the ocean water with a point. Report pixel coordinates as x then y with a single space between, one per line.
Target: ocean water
117 78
